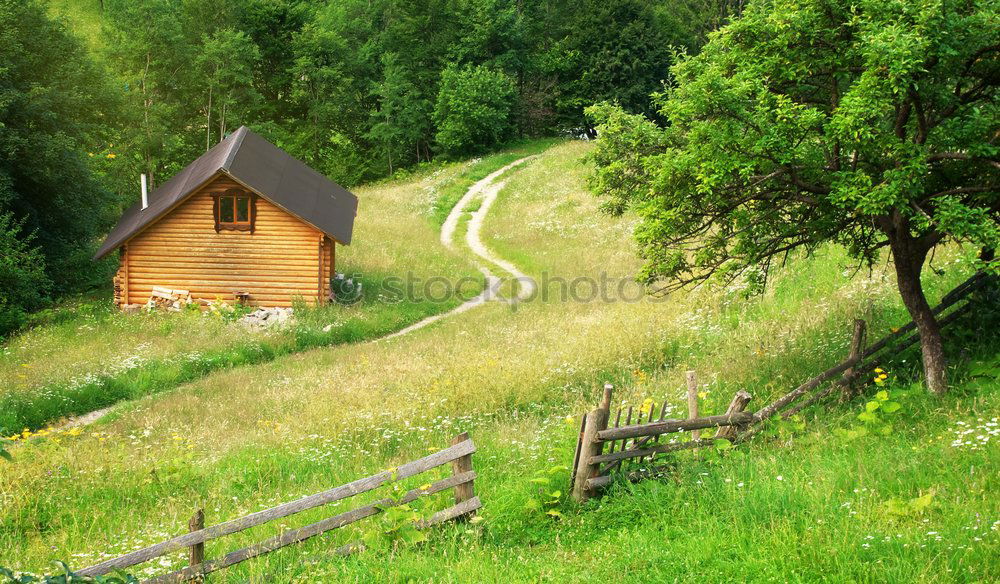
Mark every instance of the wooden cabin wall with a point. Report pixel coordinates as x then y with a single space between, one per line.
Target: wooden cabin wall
283 258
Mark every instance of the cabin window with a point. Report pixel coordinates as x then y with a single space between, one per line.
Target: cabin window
235 210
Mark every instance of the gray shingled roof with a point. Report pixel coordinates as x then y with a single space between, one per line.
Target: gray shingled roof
261 166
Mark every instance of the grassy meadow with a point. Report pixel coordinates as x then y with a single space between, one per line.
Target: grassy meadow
84 355
802 505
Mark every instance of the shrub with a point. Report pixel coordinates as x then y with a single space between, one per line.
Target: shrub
473 111
23 283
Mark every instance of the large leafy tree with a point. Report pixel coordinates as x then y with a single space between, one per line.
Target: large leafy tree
870 123
54 103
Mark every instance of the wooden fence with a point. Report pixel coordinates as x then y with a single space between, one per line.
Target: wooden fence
459 454
638 440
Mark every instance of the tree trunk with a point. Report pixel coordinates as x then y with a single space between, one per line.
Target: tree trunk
908 255
208 121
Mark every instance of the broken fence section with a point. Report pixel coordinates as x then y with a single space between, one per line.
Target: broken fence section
634 435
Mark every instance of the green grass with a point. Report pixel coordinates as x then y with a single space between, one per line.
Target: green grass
242 439
83 355
140 376
450 192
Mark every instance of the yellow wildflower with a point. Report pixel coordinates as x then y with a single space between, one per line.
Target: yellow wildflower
646 405
112 155
879 370
74 432
425 487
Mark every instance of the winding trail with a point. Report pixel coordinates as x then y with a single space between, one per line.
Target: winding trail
488 188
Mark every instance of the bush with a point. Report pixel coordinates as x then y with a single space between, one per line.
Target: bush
473 111
23 283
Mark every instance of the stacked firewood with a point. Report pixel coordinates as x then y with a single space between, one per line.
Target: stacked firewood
168 299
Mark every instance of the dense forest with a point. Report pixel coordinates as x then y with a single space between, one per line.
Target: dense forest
356 88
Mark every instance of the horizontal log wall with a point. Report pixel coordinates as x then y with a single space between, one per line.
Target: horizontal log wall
283 258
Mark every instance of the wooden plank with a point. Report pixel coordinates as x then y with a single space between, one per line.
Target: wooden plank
225 264
692 395
658 449
579 446
857 348
773 408
596 421
628 422
197 553
868 367
460 466
669 426
737 404
254 519
194 285
957 294
606 397
618 422
461 509
175 277
303 533
637 444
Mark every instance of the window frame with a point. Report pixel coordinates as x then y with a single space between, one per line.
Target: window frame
235 194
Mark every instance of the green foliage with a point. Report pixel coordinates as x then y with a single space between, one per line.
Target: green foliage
879 413
867 124
801 123
4 441
545 496
782 429
909 507
399 523
621 52
473 110
53 106
67 577
227 60
23 282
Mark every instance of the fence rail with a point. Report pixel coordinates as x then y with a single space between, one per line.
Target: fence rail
639 440
459 455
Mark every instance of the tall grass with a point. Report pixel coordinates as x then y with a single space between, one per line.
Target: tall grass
239 440
84 356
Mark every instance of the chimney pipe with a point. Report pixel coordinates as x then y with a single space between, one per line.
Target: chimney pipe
145 198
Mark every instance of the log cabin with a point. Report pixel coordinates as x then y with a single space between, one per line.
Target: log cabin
244 222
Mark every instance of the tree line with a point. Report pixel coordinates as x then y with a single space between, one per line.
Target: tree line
355 88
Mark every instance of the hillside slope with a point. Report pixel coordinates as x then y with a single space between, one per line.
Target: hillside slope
800 507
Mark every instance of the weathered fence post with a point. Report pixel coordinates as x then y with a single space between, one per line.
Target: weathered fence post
738 404
197 551
464 491
593 422
857 349
606 398
692 387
